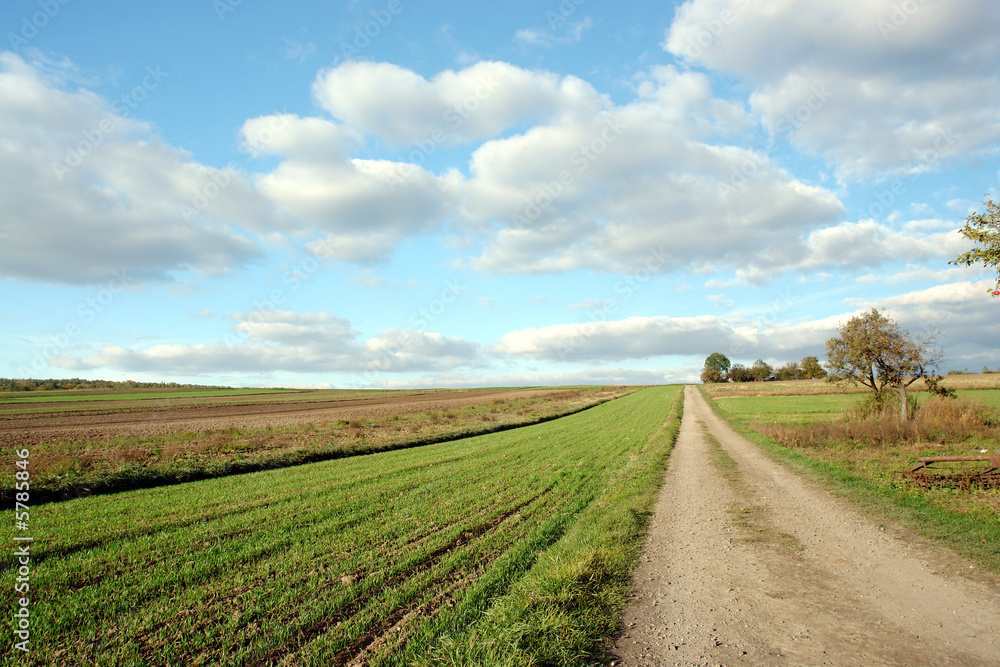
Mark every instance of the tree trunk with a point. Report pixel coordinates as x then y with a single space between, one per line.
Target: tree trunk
903 411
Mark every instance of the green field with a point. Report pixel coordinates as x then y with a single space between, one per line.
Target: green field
787 409
387 558
990 397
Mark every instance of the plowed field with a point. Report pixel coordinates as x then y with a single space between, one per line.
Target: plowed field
154 416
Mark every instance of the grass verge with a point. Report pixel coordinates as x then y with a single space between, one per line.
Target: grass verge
974 534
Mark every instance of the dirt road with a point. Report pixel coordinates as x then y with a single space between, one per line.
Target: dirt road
748 563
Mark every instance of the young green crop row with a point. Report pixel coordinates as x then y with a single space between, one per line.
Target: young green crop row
371 559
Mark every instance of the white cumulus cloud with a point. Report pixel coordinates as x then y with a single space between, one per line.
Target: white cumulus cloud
874 87
267 340
89 191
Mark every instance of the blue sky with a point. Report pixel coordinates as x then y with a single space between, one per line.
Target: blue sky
396 194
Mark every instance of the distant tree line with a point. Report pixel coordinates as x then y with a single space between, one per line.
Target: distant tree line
31 384
965 371
718 368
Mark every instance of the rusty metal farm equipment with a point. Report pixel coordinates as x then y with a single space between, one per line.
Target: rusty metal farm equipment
957 471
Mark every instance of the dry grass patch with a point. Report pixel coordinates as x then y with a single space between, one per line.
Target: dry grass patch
939 421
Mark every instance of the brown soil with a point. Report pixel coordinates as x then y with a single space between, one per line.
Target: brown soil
157 417
748 563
